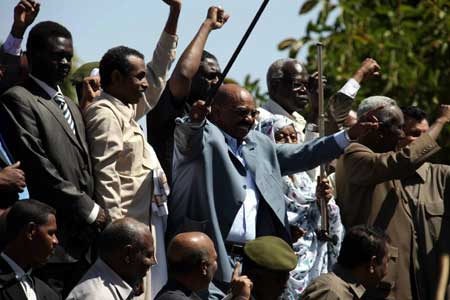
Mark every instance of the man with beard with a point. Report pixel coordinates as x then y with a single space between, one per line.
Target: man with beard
44 130
31 239
380 185
227 178
196 71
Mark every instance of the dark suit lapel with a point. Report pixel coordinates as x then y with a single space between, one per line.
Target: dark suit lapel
8 283
52 107
79 123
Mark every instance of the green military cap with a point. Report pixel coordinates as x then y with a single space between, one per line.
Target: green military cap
83 71
271 253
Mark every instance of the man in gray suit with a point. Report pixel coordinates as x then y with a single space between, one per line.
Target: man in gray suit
227 178
45 132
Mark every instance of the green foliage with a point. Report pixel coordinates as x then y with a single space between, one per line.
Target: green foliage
409 39
67 88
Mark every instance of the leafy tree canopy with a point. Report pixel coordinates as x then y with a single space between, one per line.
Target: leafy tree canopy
409 39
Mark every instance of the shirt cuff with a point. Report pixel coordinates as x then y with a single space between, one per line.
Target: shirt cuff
342 139
12 45
311 132
93 215
168 41
186 120
350 88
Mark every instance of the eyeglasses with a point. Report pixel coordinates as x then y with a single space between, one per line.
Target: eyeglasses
299 85
244 112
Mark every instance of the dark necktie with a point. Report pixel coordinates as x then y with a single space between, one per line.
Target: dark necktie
59 98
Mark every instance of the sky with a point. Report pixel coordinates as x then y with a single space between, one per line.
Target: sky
98 25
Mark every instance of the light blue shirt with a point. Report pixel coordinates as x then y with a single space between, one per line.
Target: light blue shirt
243 228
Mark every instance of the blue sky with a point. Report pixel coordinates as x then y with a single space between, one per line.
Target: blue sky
98 25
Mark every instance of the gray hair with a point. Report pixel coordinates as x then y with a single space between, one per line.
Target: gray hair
123 232
276 70
373 102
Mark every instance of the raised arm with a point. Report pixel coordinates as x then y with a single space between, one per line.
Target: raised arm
24 14
187 66
159 65
10 53
340 104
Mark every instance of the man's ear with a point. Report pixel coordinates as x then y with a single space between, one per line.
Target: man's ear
30 230
204 267
129 254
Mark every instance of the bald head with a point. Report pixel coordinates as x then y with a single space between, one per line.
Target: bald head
288 84
187 250
390 116
233 110
228 94
123 232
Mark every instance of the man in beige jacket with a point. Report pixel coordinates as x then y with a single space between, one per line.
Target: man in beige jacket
369 190
129 181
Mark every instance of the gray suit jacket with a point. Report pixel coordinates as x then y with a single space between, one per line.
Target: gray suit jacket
209 183
56 162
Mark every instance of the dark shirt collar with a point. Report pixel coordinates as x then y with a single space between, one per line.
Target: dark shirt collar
172 285
422 171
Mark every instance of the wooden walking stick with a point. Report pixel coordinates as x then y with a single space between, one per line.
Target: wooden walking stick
324 230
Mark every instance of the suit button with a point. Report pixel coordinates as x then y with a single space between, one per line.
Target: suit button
244 186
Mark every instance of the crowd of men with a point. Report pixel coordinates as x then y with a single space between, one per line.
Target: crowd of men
218 200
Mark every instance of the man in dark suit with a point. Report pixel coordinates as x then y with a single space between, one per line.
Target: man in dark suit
45 132
31 240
